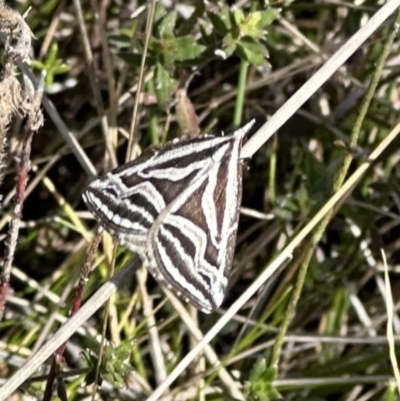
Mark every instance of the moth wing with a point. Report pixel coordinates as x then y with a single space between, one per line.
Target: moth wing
190 246
125 204
127 200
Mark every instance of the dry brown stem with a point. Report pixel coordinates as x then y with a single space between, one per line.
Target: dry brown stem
16 99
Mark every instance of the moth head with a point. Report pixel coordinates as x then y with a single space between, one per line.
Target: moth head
241 133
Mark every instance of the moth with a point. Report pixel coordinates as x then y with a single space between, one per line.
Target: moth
177 207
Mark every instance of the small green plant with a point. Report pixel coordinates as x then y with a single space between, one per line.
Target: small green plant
243 35
113 366
52 64
259 387
229 31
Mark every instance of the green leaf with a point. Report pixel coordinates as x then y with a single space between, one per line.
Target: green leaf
187 48
167 25
135 59
37 64
178 49
221 21
238 16
271 373
252 51
229 44
62 69
51 58
159 13
254 23
122 39
267 17
164 86
164 49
